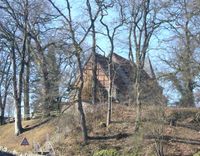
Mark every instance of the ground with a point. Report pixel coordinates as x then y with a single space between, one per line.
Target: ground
65 134
37 131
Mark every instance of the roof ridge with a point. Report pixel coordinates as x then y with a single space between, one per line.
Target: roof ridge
120 56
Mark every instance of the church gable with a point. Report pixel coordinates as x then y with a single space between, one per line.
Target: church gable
123 79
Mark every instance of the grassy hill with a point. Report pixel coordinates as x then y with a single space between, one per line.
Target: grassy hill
36 131
119 138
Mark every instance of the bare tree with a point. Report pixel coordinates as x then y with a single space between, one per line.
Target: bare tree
93 17
17 45
17 89
183 65
5 82
110 33
39 41
142 22
77 51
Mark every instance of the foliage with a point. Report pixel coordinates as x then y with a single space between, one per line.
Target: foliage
108 152
197 154
184 114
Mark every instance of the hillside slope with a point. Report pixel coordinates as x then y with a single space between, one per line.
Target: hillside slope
182 139
36 132
65 135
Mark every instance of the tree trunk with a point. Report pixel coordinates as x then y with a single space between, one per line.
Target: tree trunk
138 101
26 93
187 99
3 105
26 82
17 89
80 107
3 99
94 69
2 116
109 111
94 79
2 111
18 118
189 95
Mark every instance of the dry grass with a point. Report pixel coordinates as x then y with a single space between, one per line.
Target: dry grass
119 135
37 135
123 122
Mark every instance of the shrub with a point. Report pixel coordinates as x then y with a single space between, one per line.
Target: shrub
197 154
109 152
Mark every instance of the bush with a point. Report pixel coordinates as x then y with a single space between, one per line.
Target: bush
197 154
109 152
